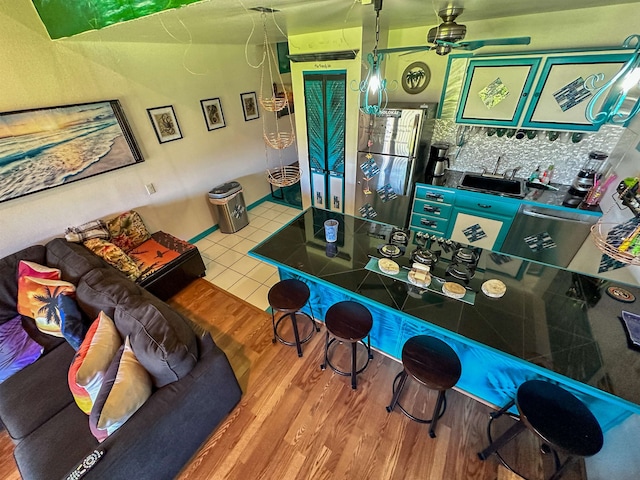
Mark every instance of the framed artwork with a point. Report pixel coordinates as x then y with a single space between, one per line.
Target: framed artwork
250 106
42 148
165 123
212 111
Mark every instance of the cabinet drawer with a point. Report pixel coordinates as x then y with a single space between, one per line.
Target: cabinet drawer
435 194
485 203
431 223
433 209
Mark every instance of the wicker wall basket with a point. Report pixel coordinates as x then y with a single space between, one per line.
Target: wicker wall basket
283 176
599 235
273 104
280 140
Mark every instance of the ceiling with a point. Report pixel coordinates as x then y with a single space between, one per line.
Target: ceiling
231 21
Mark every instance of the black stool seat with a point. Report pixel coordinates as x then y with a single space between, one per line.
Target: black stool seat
349 322
560 419
432 363
288 297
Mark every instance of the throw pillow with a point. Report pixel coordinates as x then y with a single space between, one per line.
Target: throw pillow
17 348
125 388
92 360
114 256
71 325
32 269
128 230
94 229
40 301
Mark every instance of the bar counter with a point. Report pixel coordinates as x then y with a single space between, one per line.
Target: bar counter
551 324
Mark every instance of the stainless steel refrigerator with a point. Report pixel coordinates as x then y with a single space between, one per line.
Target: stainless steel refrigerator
392 151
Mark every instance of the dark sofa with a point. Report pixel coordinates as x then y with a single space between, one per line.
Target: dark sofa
52 435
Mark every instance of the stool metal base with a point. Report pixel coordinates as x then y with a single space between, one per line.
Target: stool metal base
438 411
354 368
511 433
294 321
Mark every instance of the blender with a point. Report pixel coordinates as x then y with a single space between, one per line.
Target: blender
584 180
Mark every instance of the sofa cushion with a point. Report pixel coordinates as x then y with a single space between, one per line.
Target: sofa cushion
72 259
17 348
42 297
9 278
102 289
125 388
36 393
128 230
90 364
114 256
162 341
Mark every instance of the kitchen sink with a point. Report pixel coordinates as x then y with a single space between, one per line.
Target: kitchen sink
494 185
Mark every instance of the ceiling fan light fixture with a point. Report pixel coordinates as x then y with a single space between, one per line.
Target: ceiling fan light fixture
449 30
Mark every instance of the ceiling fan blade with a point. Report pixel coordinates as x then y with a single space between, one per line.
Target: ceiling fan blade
475 44
416 48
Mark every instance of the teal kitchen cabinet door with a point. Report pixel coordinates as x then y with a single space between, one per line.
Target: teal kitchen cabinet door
495 91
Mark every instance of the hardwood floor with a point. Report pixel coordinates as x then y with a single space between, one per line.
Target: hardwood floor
296 421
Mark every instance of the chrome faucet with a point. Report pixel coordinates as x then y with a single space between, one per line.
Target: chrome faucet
495 169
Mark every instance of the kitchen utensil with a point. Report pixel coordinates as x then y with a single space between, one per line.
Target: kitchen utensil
437 164
331 230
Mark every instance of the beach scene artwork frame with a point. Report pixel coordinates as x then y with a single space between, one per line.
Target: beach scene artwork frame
250 106
165 123
212 110
48 147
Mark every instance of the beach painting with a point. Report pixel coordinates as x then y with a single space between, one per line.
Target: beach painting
48 147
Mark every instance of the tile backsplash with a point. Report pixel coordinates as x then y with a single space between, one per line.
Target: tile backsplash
479 150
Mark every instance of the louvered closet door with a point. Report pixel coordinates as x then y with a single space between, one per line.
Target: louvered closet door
325 98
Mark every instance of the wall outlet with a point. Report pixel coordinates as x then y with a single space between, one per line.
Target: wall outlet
151 189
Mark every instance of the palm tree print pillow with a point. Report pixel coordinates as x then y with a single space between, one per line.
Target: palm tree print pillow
39 299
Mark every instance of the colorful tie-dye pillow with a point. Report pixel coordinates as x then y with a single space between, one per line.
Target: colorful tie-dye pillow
17 348
38 298
92 360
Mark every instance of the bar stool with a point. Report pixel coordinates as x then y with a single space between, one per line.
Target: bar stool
432 363
562 421
348 322
288 297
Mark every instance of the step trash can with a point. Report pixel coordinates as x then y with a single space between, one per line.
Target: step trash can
228 202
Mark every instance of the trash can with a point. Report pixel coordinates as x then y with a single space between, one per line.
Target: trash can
228 203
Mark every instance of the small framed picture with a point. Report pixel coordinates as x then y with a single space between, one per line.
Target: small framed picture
212 111
165 123
250 106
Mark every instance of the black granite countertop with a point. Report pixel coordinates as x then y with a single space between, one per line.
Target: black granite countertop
555 318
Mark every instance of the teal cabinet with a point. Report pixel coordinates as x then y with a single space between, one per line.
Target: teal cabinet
431 210
560 99
495 91
481 220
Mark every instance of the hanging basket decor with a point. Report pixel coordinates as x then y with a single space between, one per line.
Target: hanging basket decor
273 104
279 140
283 176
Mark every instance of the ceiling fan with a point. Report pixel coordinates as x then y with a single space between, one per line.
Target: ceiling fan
448 35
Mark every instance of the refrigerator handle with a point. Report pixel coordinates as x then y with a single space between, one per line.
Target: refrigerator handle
408 188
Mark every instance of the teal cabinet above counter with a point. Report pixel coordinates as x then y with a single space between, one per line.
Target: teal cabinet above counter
514 92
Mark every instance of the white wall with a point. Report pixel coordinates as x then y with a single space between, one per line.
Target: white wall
38 72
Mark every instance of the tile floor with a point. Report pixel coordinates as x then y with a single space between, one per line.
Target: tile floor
225 255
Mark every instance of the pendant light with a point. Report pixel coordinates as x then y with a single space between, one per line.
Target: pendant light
622 101
373 89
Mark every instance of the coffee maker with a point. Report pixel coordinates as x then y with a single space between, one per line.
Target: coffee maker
584 179
437 164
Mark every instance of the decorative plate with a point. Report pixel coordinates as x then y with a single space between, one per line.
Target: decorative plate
416 77
411 276
453 290
494 288
620 294
388 266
